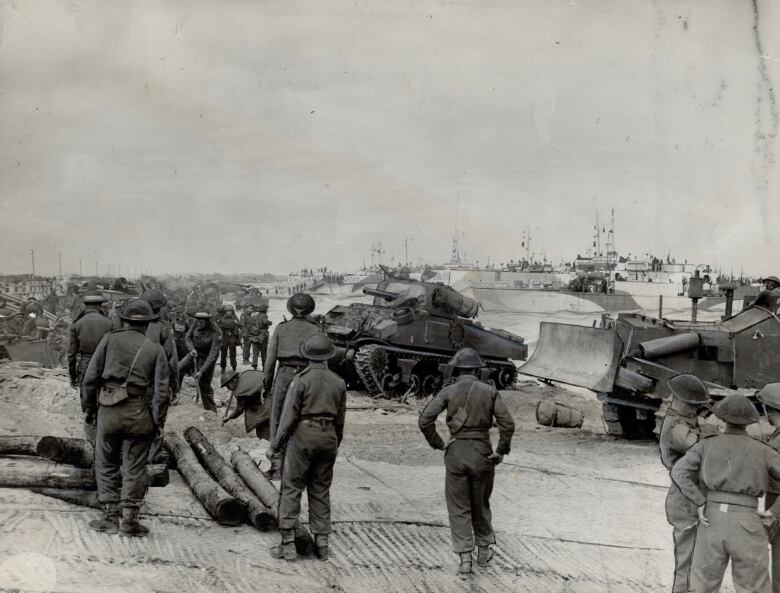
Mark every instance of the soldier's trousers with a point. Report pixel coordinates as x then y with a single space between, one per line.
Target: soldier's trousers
776 564
124 434
735 534
282 379
206 390
683 516
308 463
467 489
254 349
226 349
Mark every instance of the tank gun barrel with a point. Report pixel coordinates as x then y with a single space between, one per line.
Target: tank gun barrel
385 294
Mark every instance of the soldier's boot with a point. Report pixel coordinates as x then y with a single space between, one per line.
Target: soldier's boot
109 522
130 526
484 555
286 548
321 546
465 563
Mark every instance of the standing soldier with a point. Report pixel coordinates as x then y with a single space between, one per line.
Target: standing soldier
85 335
231 336
160 332
247 388
177 318
724 476
769 396
285 347
311 427
126 384
469 458
257 334
246 346
203 342
679 432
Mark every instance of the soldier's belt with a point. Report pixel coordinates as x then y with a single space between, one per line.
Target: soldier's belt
318 420
732 500
472 433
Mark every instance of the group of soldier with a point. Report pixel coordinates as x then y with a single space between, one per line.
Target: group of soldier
717 481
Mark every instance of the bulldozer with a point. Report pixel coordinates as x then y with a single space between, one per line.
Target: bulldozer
399 345
627 361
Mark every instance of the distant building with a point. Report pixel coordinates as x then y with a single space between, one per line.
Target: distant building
25 286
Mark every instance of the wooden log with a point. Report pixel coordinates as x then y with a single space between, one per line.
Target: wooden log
13 445
220 505
269 495
84 498
33 472
78 452
259 515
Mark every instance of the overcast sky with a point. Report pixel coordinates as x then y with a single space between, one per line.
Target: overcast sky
252 136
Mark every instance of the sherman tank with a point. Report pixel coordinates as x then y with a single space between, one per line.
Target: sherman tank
628 361
399 345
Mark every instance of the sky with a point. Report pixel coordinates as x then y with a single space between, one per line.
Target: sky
245 136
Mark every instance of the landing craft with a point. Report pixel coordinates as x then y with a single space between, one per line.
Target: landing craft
399 346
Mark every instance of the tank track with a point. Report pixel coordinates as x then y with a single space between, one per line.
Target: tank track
364 364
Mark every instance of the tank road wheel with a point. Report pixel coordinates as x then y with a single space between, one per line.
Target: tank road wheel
506 377
370 364
390 383
431 384
414 389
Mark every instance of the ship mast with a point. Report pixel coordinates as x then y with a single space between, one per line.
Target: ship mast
611 251
455 254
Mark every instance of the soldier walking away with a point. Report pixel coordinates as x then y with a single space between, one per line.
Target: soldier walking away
257 335
725 475
246 346
310 428
126 383
284 347
769 396
86 332
679 432
203 342
160 332
469 459
231 336
247 388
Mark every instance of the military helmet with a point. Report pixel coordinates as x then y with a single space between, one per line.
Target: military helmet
137 310
155 298
227 377
774 279
466 358
317 347
769 395
689 389
736 409
300 304
202 315
93 298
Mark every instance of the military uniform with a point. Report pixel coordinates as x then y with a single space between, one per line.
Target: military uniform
85 335
728 473
246 346
159 332
248 393
231 337
256 340
678 434
126 428
470 468
772 495
206 342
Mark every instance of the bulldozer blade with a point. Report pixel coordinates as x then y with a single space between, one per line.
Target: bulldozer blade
576 355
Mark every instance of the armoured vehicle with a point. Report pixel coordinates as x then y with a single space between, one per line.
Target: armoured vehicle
627 361
400 344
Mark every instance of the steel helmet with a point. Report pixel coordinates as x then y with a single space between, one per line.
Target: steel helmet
300 304
689 389
466 358
736 409
93 298
317 347
137 310
202 315
774 279
769 395
155 298
226 378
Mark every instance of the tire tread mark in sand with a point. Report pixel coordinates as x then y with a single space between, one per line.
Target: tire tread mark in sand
378 479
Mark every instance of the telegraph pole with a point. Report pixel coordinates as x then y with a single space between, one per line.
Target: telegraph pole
60 257
79 266
32 255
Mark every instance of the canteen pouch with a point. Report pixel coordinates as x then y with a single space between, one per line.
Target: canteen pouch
111 394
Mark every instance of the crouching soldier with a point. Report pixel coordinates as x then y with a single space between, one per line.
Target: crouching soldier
247 388
471 406
311 427
127 384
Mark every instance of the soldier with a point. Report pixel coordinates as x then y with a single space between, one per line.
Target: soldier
769 396
160 332
469 458
177 318
247 388
86 332
257 334
126 384
310 428
231 336
203 342
679 432
285 347
246 346
724 476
